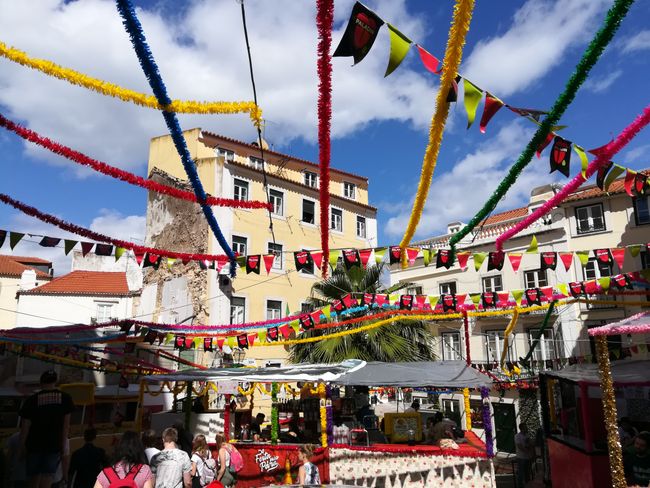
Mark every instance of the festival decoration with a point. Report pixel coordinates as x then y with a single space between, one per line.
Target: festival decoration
561 156
490 108
399 48
150 69
468 410
322 395
275 420
115 91
360 33
453 54
506 335
472 98
615 15
487 421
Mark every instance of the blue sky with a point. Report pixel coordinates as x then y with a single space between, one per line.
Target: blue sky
521 52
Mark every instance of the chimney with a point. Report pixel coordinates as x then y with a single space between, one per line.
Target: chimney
27 280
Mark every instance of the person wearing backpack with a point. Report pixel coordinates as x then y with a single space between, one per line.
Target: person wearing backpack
230 462
129 468
308 472
204 468
172 466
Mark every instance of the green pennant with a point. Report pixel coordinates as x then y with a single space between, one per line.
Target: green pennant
295 325
583 256
262 335
327 311
426 255
379 254
476 298
399 48
479 257
564 289
119 251
583 159
197 342
518 295
14 238
241 261
393 298
604 282
614 173
616 353
334 258
231 342
68 245
287 312
170 262
169 338
635 249
473 96
433 300
533 248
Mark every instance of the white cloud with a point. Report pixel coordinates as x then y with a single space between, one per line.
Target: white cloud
202 56
475 177
599 85
540 34
114 224
633 155
638 42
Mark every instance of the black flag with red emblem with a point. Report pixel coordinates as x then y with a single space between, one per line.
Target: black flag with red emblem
547 260
448 303
368 299
533 296
338 305
602 174
406 302
495 260
576 288
394 253
207 344
179 342
603 256
640 187
622 281
304 261
443 259
351 258
272 333
242 341
561 156
489 299
360 34
307 322
253 264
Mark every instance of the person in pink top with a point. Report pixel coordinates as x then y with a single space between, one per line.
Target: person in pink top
129 461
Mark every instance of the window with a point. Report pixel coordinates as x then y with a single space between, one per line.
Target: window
414 290
237 310
336 219
308 212
492 283
645 260
590 218
277 200
226 153
450 346
241 190
545 349
594 270
494 346
277 250
306 307
239 245
361 226
349 190
311 179
104 311
256 163
642 210
448 288
273 309
535 278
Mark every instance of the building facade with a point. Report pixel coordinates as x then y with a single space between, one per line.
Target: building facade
234 169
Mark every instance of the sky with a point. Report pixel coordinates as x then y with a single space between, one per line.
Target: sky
522 52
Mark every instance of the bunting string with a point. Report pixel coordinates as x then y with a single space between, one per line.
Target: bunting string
614 17
120 174
462 17
603 157
115 91
150 69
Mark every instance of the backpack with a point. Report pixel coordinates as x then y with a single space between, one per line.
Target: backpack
207 471
236 461
114 481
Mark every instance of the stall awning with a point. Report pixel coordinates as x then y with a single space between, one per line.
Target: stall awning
636 372
636 324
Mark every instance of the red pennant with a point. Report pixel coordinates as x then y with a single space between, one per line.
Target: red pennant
251 338
219 265
189 342
315 316
618 253
543 145
139 258
268 262
515 261
460 299
349 301
492 106
185 261
411 254
462 259
503 297
285 330
429 61
364 255
629 183
381 299
220 342
317 257
86 247
548 292
591 287
567 259
420 301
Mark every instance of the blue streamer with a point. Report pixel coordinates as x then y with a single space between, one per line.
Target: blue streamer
150 69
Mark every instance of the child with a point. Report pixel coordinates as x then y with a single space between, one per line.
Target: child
307 473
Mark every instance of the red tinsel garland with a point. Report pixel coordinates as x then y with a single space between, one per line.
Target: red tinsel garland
89 234
99 166
468 357
324 22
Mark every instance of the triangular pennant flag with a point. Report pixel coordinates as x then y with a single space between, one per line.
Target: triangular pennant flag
379 254
603 256
351 258
602 173
533 296
334 258
488 298
167 338
561 156
317 257
452 96
327 311
14 238
196 342
420 302
473 97
613 175
272 333
542 146
618 253
207 344
476 299
381 299
406 302
429 61
518 295
360 33
104 249
604 282
412 254
269 259
49 241
462 257
495 260
426 256
119 251
394 254
231 342
584 161
399 48
629 181
304 262
242 341
68 245
583 256
533 249
479 257
261 334
547 260
139 258
241 261
364 256
3 236
444 259
548 292
502 298
460 299
251 338
515 260
491 107
567 259
349 301
448 303
393 299
316 316
563 288
635 249
253 264
295 326
639 187
170 262
433 300
86 247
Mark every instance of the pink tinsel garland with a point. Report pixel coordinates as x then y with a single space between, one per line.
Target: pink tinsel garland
622 328
603 156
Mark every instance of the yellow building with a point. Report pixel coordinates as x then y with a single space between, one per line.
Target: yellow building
233 169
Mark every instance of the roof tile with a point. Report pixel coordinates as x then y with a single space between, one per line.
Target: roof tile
84 283
15 265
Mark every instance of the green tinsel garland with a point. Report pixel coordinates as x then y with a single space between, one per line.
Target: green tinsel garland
612 22
275 421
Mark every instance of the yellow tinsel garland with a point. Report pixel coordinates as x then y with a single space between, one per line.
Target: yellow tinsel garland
116 91
468 411
506 333
453 55
322 394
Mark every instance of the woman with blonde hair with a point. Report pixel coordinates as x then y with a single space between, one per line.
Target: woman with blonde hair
307 473
203 466
230 462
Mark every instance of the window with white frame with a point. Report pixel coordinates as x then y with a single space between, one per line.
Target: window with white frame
642 210
414 290
545 349
239 245
336 219
256 163
237 310
104 311
494 345
277 201
535 278
450 346
349 190
276 249
595 269
227 154
311 179
308 212
273 309
240 190
492 283
361 226
448 288
590 218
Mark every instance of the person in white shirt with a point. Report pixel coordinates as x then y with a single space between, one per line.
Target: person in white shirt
150 441
525 447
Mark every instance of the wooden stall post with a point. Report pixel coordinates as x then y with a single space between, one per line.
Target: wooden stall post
187 407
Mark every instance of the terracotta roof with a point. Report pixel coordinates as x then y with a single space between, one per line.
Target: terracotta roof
592 191
282 155
15 265
515 213
84 283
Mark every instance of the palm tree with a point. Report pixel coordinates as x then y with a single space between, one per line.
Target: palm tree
394 342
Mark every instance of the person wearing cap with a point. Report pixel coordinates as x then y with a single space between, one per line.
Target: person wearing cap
45 419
